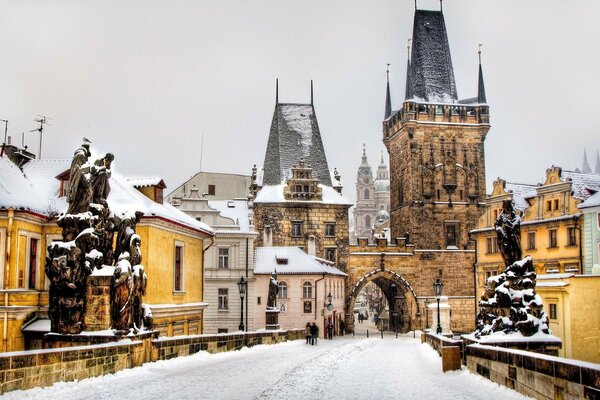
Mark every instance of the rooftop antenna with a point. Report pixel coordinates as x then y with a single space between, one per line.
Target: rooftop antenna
479 52
42 120
201 149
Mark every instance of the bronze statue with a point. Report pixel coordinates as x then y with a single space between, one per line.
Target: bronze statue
508 230
273 291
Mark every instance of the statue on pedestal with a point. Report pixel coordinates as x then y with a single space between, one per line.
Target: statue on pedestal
273 291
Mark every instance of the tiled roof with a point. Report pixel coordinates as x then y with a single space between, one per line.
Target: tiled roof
294 135
521 192
581 183
17 192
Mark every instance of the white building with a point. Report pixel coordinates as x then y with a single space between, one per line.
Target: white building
228 259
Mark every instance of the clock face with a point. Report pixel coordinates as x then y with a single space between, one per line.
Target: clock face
366 180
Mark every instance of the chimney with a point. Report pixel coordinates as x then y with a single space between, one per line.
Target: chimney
312 247
268 236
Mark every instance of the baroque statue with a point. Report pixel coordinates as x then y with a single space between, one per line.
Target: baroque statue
273 291
88 230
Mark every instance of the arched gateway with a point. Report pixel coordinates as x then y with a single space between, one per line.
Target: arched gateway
401 298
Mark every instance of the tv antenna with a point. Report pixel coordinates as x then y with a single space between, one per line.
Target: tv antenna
42 120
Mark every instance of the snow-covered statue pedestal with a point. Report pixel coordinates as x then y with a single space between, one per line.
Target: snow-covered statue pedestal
444 315
272 312
96 288
511 313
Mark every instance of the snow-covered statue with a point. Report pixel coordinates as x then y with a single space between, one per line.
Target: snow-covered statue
509 304
89 228
273 291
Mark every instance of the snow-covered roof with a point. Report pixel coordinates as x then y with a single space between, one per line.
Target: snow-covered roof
583 184
291 260
592 201
147 181
18 192
38 187
274 194
237 210
521 192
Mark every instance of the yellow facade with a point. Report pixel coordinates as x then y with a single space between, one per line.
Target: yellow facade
571 304
24 237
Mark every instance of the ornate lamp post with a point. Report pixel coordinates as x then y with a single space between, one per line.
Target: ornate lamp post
437 290
426 313
242 285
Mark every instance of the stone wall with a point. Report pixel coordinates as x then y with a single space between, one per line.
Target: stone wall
36 368
535 375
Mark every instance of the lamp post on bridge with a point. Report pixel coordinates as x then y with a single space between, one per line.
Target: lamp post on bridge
242 285
426 313
437 290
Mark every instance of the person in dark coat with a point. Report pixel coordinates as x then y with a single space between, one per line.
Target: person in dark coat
342 327
314 332
307 333
329 330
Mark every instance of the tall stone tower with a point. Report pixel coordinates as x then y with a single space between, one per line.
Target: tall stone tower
365 209
382 192
435 143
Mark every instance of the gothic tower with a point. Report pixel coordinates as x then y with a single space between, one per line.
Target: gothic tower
435 142
365 209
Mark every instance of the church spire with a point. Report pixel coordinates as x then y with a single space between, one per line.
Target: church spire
388 98
408 93
586 166
480 86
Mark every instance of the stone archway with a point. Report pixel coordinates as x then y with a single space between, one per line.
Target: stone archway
402 300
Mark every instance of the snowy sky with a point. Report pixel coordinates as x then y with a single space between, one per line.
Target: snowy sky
144 79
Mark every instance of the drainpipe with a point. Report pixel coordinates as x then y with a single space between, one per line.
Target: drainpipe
11 215
316 294
578 226
474 278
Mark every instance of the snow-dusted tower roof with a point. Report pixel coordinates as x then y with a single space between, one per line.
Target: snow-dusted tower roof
431 75
294 135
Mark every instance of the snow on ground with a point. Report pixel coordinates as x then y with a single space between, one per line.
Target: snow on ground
344 368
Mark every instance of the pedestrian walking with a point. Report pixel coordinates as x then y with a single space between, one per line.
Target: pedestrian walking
342 327
307 333
314 334
329 330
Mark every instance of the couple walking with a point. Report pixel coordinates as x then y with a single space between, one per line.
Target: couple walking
311 332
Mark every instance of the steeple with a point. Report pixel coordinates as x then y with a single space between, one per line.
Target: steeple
408 93
586 166
480 86
388 99
365 168
597 169
432 74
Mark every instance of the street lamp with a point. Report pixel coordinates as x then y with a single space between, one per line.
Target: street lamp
426 313
242 285
329 304
437 290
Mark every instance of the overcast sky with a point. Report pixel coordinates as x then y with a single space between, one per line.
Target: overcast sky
144 79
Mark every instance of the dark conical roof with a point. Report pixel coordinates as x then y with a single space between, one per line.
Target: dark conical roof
432 74
408 93
388 99
481 88
294 135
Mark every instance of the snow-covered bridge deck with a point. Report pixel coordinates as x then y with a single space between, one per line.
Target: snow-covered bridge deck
344 368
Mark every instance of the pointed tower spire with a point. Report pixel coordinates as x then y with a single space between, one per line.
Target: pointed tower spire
586 166
277 91
311 93
597 169
480 87
408 93
388 98
381 157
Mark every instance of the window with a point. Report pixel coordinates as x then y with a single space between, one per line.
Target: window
222 330
296 229
211 190
329 229
555 204
282 290
33 263
368 221
552 238
530 240
451 235
549 205
223 257
223 298
366 194
495 214
571 237
178 273
330 254
490 273
258 300
553 313
492 244
307 290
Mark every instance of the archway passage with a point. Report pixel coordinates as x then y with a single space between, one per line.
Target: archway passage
402 311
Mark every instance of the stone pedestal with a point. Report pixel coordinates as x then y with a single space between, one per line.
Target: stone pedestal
444 315
98 316
272 318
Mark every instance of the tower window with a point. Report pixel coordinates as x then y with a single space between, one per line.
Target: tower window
368 221
211 190
296 229
366 194
451 235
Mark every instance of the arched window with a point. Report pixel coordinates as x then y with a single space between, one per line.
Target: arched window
366 194
282 290
368 221
307 290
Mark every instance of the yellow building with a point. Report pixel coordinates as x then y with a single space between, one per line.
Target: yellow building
30 199
551 229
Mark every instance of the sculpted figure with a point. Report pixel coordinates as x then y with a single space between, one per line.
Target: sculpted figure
139 290
122 296
125 233
508 229
273 291
100 177
80 191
